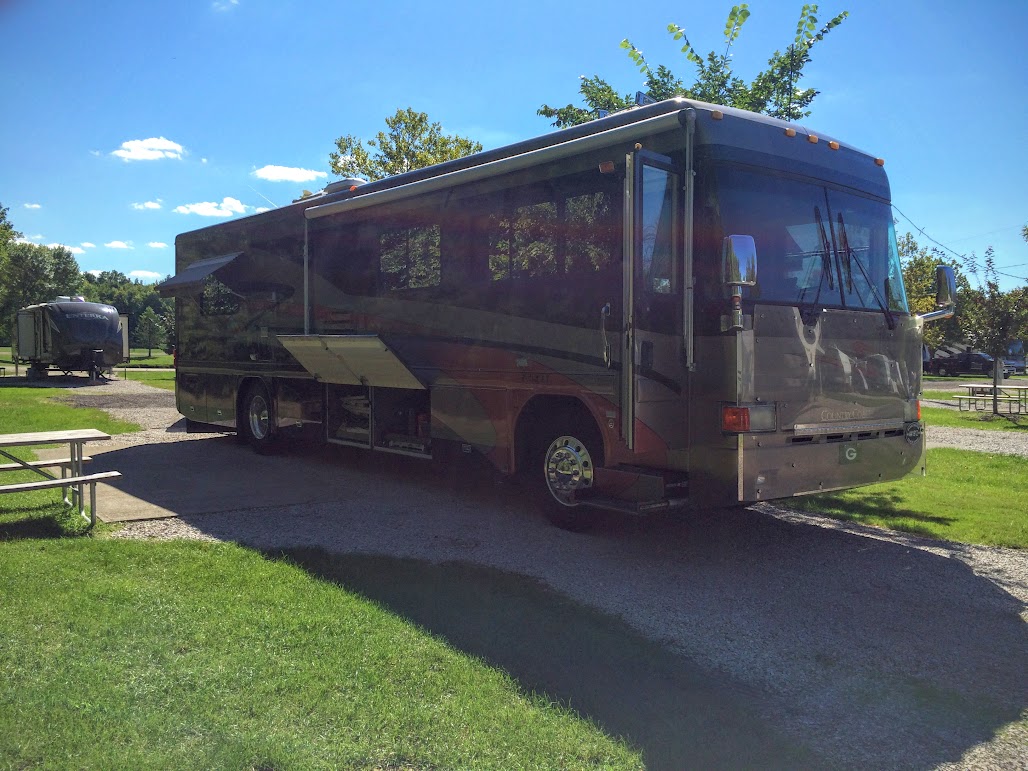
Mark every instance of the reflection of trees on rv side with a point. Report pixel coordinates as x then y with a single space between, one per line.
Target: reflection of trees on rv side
409 257
553 238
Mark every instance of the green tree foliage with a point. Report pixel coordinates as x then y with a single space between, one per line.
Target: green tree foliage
150 331
131 298
991 319
7 231
29 274
919 279
411 142
774 91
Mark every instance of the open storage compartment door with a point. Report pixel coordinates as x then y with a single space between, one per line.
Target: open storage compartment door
350 360
372 399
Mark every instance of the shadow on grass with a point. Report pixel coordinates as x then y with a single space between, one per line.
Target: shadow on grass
51 520
872 508
634 688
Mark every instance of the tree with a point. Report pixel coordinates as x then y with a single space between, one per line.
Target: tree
772 92
918 265
412 142
29 274
131 298
150 331
7 231
991 319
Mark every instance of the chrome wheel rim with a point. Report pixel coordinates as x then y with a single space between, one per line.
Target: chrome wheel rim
258 415
568 467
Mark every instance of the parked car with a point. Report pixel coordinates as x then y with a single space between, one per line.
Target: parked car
1015 365
965 364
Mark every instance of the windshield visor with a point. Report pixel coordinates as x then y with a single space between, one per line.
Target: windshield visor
816 246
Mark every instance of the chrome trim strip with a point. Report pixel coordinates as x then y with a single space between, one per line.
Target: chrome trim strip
819 429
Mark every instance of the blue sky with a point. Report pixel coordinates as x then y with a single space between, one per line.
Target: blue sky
126 123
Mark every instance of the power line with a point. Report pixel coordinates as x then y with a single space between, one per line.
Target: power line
961 257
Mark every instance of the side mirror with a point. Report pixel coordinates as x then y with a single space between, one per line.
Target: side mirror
739 261
945 295
946 287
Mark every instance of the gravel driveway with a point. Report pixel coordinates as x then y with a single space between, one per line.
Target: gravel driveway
865 648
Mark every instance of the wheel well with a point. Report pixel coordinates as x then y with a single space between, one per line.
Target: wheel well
542 412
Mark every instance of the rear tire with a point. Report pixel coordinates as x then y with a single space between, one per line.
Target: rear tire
562 466
256 419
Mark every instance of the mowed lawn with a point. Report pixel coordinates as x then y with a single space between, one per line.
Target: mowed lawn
971 497
124 654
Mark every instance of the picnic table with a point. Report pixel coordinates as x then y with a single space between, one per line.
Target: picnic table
73 480
1013 398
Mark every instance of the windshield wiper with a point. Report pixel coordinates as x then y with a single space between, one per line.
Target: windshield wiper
809 313
850 259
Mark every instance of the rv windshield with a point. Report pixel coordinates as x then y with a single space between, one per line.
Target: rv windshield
816 246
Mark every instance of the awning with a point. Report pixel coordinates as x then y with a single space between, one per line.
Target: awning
350 360
190 280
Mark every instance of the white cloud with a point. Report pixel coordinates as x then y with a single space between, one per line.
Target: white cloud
261 209
224 5
157 245
203 160
94 272
151 149
97 153
33 206
87 245
119 245
226 208
147 205
287 174
145 275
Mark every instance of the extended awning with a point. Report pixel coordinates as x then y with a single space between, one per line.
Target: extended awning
190 280
350 360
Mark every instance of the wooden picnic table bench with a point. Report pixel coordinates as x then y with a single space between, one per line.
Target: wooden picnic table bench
72 479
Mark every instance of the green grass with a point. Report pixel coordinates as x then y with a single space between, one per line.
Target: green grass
940 416
139 358
185 655
970 497
47 409
120 654
165 380
42 513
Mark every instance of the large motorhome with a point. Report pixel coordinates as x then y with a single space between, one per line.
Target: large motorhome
677 304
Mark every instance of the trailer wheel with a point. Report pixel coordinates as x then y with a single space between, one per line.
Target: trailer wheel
256 422
561 469
943 370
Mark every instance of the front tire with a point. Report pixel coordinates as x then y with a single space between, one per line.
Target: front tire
561 470
256 419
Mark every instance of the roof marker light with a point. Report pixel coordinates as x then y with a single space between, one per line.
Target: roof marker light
833 145
879 161
717 114
812 138
607 167
790 132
